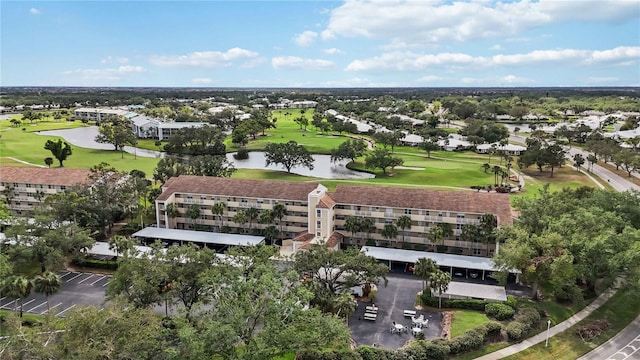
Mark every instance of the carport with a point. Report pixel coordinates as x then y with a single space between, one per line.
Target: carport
460 290
215 241
478 265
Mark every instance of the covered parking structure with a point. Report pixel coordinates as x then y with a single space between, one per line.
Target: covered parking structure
464 290
104 250
216 241
457 265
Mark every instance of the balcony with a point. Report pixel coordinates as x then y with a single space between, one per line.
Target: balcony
433 218
363 213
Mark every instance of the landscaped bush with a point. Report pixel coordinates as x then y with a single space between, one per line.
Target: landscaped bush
512 301
499 311
469 304
242 154
374 353
98 264
328 355
470 340
493 328
516 330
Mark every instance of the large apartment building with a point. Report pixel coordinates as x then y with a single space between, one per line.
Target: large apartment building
314 213
24 188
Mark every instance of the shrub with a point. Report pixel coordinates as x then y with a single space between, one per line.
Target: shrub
158 143
242 154
516 330
529 317
374 353
469 304
493 328
499 311
328 355
372 295
470 340
98 264
512 301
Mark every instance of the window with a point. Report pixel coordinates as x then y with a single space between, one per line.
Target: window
318 213
358 208
477 252
318 224
28 185
439 214
460 216
63 187
407 211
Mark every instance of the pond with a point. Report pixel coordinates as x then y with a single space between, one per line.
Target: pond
323 167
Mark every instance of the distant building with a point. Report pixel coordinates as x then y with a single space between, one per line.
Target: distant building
97 114
509 149
23 188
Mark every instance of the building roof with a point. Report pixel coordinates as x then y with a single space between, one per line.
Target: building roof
249 188
412 256
179 125
456 201
198 236
326 202
43 175
497 146
472 290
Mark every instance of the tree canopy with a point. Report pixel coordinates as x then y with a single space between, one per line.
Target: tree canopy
61 150
289 155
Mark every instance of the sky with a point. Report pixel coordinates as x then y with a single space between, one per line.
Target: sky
356 43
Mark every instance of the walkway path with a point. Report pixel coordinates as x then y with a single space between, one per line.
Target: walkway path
24 162
513 349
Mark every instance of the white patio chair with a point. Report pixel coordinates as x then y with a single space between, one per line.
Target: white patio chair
425 323
417 320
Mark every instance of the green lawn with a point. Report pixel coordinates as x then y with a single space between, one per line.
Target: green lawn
564 177
465 320
480 352
28 146
620 310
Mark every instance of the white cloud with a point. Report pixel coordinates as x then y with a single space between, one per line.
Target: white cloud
202 81
512 79
305 38
427 22
410 61
34 11
204 58
602 80
332 51
107 73
496 47
253 63
430 79
294 62
113 59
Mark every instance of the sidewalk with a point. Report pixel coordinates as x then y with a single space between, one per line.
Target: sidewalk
513 349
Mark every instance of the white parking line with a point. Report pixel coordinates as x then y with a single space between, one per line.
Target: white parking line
75 277
102 277
85 279
33 308
28 302
105 284
51 308
65 310
65 274
623 350
8 305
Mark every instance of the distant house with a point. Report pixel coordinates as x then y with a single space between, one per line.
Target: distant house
454 142
504 117
412 140
510 149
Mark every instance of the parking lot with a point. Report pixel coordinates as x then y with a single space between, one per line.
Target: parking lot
76 289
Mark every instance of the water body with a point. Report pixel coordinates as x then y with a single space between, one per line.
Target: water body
323 167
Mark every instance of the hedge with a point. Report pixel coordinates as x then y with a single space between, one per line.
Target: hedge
516 330
499 311
374 353
527 319
328 355
98 264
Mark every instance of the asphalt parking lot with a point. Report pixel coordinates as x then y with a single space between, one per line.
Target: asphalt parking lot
76 289
392 300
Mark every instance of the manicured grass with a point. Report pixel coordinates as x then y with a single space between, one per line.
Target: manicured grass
5 161
564 177
485 350
28 146
620 310
465 320
555 311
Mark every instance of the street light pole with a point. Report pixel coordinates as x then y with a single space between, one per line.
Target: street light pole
546 343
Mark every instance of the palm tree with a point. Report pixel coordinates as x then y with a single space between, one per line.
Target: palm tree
497 170
279 211
404 222
266 217
217 209
172 211
19 287
368 226
252 215
344 305
353 224
435 235
440 282
240 218
48 284
270 232
193 212
592 159
486 167
121 245
390 231
424 268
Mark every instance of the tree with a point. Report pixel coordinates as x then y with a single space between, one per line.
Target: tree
486 167
334 272
497 170
592 159
217 209
172 210
367 225
61 150
279 211
353 224
193 213
435 234
48 284
389 231
349 149
168 168
578 161
388 138
252 215
240 218
382 159
210 165
629 159
48 161
429 146
288 155
18 287
404 222
122 245
554 156
440 282
424 269
117 133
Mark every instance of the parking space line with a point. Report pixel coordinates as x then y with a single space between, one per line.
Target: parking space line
65 310
8 305
85 279
93 283
51 308
28 302
75 277
65 274
107 283
33 308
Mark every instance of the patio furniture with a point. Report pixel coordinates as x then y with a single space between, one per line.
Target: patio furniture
417 320
416 330
425 323
370 316
409 313
373 309
398 328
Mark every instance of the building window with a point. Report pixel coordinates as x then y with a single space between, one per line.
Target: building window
407 211
318 213
63 187
318 224
318 233
28 185
477 252
460 216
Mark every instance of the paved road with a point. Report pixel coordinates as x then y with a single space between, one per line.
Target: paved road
77 289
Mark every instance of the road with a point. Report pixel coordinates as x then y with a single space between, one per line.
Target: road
624 346
76 289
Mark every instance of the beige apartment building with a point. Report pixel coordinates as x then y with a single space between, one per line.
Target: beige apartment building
315 214
24 188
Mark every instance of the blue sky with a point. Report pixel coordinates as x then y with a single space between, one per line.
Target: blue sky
320 43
